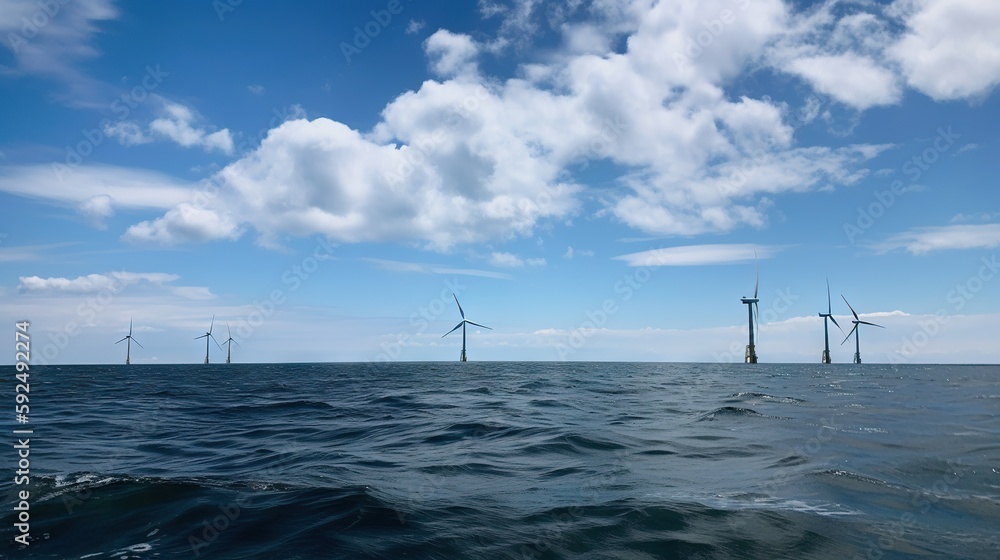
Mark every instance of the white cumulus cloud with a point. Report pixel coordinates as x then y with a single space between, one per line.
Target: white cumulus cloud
951 49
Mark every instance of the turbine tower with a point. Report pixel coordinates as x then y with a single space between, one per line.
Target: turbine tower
207 336
128 345
826 330
857 331
229 344
751 355
462 324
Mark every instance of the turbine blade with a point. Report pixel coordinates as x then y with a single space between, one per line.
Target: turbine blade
202 336
836 323
130 326
478 325
217 343
458 304
234 341
851 308
137 342
211 326
122 340
829 303
453 330
872 324
848 337
229 331
756 269
756 324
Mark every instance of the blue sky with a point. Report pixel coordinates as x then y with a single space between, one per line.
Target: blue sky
591 178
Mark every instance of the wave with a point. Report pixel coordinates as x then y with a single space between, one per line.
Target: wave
750 396
731 412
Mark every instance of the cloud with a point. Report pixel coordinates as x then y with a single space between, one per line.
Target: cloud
571 253
951 49
97 209
28 252
92 283
510 260
122 187
697 255
177 124
451 54
128 133
184 223
415 26
468 158
517 24
256 89
850 79
920 241
977 217
424 268
505 260
476 182
50 39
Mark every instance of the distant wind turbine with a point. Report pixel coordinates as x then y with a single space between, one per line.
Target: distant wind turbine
462 324
128 345
857 331
752 311
207 336
826 330
229 343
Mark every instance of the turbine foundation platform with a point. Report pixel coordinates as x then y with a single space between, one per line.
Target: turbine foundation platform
751 355
826 357
857 357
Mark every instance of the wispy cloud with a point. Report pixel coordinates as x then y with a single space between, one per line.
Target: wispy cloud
571 252
698 255
55 48
920 241
977 217
424 268
510 260
129 188
415 26
27 252
92 283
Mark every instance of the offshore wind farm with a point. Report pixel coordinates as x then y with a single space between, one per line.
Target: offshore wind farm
750 355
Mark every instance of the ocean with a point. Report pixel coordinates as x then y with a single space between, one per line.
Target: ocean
507 460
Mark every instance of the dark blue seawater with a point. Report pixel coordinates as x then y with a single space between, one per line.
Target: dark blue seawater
508 460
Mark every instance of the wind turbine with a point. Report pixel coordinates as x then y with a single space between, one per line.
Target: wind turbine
826 330
128 345
207 336
462 324
752 311
856 331
229 343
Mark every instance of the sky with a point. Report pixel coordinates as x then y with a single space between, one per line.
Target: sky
593 179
